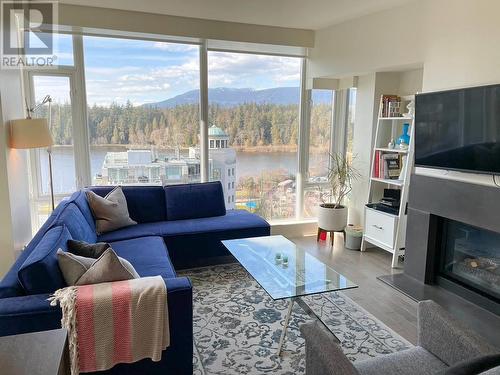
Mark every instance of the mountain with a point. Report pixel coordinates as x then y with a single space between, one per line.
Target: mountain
230 97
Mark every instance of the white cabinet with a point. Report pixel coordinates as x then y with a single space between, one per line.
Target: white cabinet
380 228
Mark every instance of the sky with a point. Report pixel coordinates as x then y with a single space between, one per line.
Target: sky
118 70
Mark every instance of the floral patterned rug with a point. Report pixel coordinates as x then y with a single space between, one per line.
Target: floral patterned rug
237 326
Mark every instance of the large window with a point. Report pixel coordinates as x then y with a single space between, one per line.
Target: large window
127 111
143 119
254 119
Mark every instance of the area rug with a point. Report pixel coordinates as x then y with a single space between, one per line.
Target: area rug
237 326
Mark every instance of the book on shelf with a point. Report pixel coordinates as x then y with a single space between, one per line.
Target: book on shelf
391 106
387 165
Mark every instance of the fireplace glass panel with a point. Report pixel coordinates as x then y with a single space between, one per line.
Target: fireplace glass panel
471 257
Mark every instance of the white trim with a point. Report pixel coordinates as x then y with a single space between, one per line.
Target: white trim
303 141
204 157
81 140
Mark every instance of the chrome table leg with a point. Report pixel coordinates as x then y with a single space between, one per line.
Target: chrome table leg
285 326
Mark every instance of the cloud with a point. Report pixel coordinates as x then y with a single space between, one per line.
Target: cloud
145 77
175 47
247 70
141 84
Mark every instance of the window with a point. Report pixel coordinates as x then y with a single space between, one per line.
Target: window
139 120
350 122
63 158
254 107
134 91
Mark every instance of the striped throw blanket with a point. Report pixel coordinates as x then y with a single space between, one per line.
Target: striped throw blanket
116 322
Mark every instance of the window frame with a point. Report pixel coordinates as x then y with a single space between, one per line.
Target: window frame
81 140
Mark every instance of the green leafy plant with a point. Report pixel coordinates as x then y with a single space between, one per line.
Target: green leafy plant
341 175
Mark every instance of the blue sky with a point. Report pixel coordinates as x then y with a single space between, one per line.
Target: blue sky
117 70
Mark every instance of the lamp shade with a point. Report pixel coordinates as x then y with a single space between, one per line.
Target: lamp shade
30 133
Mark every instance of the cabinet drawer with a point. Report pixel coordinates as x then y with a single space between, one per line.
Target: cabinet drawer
380 226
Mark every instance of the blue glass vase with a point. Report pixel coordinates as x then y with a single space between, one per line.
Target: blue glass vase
405 137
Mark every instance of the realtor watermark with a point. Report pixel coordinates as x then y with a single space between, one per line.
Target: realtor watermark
28 31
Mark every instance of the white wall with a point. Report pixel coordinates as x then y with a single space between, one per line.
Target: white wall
15 215
456 42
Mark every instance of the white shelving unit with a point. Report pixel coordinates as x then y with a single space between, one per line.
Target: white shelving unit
382 229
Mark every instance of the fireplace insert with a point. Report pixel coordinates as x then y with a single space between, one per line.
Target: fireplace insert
470 256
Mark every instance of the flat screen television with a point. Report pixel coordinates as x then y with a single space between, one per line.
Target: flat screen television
459 129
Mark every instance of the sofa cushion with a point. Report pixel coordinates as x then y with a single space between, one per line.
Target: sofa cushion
80 199
234 220
146 204
77 225
414 361
197 242
10 285
111 212
191 201
134 231
148 255
40 271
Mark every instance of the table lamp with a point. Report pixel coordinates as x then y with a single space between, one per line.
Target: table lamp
33 133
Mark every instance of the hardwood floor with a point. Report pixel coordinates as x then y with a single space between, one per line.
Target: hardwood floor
394 309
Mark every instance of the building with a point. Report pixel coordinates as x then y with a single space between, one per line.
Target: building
222 163
142 166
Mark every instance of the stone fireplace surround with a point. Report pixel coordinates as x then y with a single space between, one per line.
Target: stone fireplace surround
430 200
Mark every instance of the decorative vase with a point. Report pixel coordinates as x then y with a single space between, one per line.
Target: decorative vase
404 138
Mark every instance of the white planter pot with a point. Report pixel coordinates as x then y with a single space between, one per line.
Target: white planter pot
332 219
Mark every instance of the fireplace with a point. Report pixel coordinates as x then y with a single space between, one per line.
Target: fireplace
453 238
470 257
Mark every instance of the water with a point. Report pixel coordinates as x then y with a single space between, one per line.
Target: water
248 164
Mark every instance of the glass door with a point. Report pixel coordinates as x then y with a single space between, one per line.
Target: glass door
59 114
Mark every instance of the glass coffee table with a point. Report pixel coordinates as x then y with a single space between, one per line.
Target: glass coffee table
285 271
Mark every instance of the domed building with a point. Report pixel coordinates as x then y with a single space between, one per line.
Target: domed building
222 163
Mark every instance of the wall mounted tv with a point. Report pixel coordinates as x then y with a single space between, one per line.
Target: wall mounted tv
459 129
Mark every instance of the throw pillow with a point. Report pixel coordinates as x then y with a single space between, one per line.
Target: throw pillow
39 273
73 266
108 267
85 249
111 212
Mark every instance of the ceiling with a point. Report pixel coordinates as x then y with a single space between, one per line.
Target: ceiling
306 14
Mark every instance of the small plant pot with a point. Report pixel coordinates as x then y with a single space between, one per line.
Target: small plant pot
332 219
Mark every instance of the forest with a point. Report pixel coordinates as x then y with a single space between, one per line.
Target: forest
247 125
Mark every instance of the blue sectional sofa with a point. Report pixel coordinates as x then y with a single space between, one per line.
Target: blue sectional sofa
179 226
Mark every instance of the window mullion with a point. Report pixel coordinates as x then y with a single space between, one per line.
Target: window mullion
80 127
303 141
204 112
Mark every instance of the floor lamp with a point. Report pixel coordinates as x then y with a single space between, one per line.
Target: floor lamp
34 133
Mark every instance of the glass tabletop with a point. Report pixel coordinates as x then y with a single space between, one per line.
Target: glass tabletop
264 258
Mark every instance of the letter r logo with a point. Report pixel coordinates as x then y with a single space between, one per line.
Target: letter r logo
27 27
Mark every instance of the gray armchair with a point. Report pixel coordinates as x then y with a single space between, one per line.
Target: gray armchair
442 342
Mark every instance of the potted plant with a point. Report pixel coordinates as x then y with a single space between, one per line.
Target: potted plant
332 214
